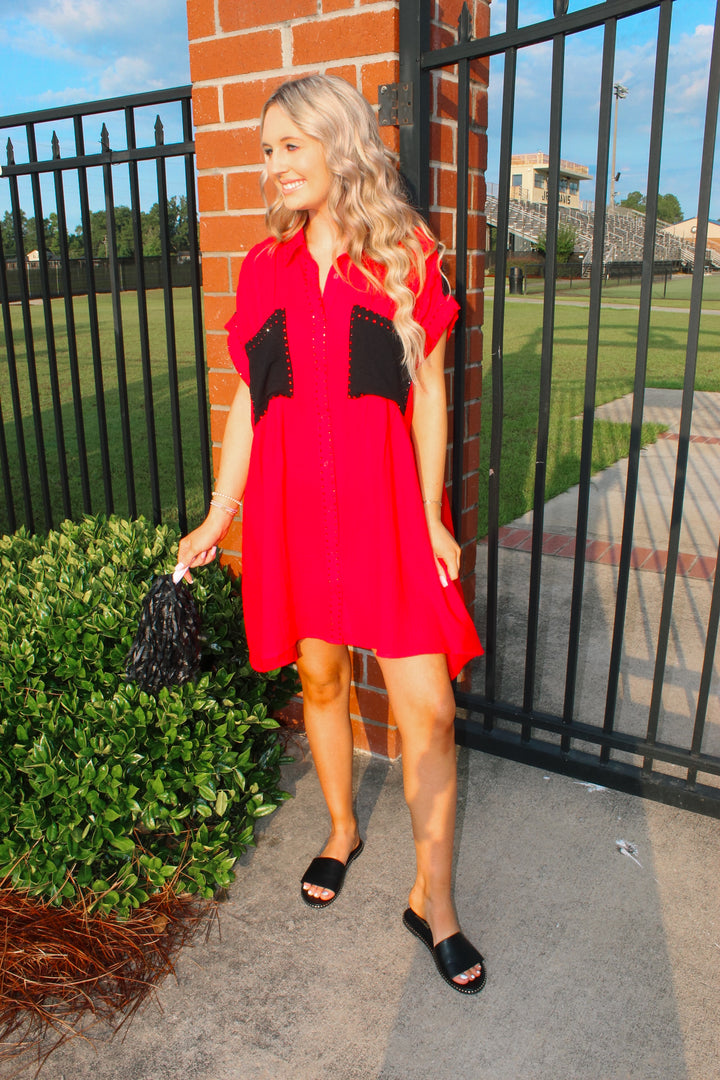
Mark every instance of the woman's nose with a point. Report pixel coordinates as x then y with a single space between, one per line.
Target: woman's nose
278 165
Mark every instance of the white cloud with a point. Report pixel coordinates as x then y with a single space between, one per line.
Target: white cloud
80 21
121 47
498 16
126 74
688 73
67 96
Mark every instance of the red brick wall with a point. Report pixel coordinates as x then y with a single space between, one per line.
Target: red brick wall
240 50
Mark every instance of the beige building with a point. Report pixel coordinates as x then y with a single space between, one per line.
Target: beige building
529 177
686 230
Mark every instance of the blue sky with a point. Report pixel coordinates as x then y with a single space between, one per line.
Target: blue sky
58 52
690 43
65 51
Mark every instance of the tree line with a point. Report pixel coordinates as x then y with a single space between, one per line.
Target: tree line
668 207
178 232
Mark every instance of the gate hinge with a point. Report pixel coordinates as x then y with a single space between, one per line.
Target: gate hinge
396 104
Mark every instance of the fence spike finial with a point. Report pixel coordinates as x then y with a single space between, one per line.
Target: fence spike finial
464 23
560 7
10 153
159 132
105 139
55 145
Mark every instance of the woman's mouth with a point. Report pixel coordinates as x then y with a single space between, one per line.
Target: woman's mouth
291 185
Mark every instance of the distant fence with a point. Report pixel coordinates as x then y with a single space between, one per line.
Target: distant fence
532 264
613 273
153 271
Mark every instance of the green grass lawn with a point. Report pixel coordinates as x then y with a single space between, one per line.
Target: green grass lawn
618 334
161 399
675 292
523 328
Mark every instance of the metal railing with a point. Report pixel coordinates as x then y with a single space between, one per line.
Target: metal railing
517 726
101 409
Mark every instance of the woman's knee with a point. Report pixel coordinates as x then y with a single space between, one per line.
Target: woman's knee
429 718
324 674
421 696
440 715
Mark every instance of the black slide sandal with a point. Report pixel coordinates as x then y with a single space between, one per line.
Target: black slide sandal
328 874
452 956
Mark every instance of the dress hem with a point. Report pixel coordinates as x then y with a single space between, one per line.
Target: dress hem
456 661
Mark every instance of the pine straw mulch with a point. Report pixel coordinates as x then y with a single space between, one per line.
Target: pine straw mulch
63 969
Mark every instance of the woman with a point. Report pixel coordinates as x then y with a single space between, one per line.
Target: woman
336 442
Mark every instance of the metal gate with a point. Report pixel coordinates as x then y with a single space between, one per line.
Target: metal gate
90 419
514 724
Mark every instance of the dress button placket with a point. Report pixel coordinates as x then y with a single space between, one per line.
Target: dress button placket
331 525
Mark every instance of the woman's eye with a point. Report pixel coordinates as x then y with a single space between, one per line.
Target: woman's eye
290 146
267 151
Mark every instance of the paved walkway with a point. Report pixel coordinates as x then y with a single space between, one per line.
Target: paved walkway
585 302
693 589
606 304
701 506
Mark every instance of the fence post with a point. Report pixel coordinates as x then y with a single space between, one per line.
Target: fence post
440 170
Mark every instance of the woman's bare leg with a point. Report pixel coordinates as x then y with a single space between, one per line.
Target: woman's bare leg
325 674
422 702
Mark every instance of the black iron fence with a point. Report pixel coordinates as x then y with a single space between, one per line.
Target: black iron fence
103 400
507 716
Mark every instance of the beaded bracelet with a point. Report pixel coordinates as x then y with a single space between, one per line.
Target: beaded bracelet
230 498
426 501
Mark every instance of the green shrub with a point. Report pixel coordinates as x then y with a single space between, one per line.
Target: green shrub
105 791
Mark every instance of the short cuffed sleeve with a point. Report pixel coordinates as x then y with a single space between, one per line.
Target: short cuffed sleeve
236 348
435 308
242 325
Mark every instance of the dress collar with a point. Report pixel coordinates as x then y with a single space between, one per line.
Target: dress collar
298 243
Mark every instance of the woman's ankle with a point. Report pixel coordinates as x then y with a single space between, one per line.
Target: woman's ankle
437 906
344 830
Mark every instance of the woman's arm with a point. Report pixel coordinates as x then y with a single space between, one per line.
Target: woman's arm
429 433
200 546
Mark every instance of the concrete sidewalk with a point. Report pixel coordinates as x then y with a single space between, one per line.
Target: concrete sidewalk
601 966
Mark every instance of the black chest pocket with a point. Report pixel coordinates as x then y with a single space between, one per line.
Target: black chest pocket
377 364
270 366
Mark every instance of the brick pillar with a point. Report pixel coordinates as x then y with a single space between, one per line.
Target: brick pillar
240 50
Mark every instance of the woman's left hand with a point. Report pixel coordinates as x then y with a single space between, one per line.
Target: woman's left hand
446 551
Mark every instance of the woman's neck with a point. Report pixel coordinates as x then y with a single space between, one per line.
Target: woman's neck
322 235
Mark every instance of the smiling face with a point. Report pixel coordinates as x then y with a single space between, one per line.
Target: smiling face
295 163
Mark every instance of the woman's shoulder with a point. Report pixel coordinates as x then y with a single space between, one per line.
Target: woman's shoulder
419 236
271 253
259 252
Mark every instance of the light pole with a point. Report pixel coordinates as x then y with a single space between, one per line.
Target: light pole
620 91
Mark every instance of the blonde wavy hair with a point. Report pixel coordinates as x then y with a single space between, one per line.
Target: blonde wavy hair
366 199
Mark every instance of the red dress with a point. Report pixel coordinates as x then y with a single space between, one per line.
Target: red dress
335 542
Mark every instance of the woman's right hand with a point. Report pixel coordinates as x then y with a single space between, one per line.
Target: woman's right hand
199 547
